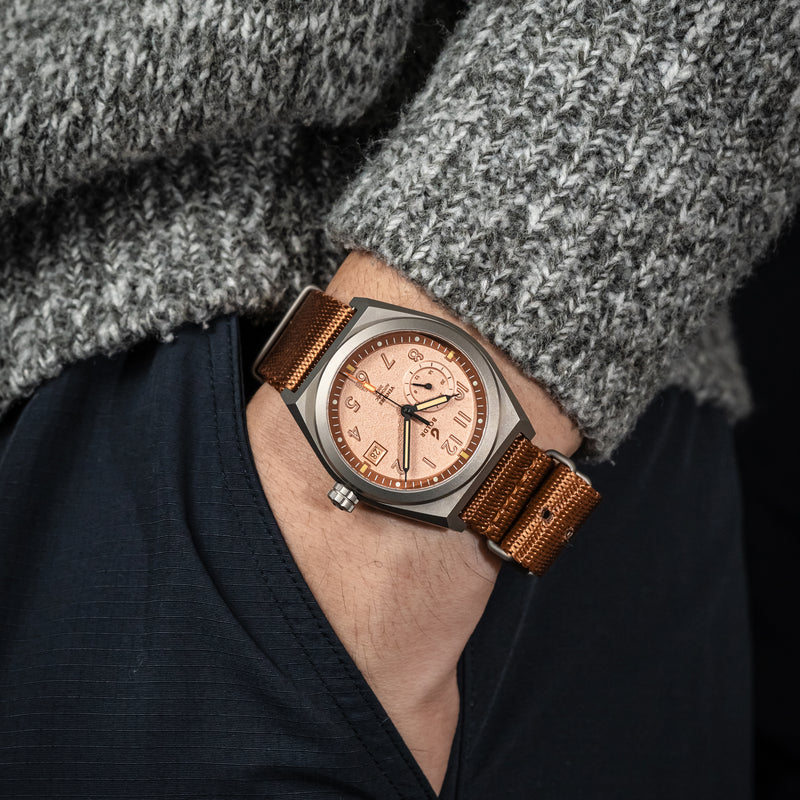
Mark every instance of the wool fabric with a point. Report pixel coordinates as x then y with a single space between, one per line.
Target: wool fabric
587 183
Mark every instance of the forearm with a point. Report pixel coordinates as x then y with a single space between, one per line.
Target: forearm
403 596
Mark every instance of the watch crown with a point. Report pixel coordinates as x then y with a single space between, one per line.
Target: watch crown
342 497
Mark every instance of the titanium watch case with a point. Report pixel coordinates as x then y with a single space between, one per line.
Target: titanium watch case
439 505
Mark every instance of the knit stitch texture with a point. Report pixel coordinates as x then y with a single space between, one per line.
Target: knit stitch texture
585 182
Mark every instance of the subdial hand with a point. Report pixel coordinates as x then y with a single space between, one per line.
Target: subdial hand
434 402
428 386
367 386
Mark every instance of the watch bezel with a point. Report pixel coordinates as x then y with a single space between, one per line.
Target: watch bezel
444 331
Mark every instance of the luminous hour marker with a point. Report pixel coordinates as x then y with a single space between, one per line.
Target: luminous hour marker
364 468
350 368
464 455
451 355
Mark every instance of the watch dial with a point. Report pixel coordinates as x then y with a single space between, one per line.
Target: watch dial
407 410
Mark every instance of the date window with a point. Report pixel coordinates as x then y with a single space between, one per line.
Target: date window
375 452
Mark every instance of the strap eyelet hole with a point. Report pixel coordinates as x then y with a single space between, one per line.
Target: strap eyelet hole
547 515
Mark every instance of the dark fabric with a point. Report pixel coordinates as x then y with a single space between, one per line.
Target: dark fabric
767 444
157 640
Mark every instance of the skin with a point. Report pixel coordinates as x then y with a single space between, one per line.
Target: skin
403 596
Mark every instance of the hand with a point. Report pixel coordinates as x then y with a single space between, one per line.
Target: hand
376 576
435 402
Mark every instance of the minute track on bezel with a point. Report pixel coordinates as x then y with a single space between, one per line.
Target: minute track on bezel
357 418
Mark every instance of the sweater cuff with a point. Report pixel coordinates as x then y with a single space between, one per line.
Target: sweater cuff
586 185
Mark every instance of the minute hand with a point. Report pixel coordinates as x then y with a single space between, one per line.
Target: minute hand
434 402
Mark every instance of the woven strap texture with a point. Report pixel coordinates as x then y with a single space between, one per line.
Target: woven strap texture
316 323
530 505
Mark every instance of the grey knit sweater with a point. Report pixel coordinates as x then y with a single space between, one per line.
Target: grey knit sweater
586 182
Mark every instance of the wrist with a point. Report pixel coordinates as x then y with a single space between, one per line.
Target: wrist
363 274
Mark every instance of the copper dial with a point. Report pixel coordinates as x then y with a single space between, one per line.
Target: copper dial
407 410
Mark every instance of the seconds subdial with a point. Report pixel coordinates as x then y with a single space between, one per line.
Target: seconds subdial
428 379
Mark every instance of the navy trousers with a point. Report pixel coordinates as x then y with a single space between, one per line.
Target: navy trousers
158 641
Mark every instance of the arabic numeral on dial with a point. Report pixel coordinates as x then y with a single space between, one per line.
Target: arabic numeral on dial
462 391
362 376
450 446
396 466
354 433
387 363
415 354
351 402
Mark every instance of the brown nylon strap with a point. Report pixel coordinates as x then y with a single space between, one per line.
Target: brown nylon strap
317 322
530 505
502 496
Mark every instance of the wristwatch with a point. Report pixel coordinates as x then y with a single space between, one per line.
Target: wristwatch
409 414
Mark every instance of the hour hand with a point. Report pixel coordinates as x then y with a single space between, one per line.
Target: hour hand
434 402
